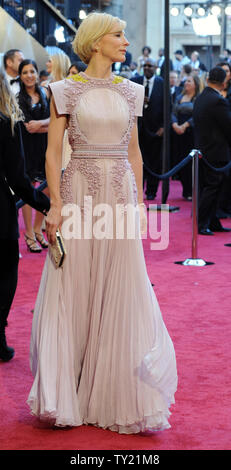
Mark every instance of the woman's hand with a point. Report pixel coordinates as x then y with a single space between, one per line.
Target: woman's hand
143 218
178 129
53 221
185 126
32 126
160 132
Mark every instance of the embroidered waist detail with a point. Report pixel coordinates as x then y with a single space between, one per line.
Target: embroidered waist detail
100 151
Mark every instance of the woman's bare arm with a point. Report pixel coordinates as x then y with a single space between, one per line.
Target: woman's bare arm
135 158
53 169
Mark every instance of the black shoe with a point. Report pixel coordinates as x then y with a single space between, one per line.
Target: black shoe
6 353
220 229
205 231
228 244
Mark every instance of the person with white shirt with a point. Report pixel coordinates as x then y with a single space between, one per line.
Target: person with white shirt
12 60
195 62
160 63
179 61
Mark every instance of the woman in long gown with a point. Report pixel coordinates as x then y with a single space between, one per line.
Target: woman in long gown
100 352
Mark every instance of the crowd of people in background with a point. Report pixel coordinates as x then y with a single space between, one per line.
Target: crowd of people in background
31 90
187 79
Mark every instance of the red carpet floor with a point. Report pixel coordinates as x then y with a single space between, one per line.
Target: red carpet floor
196 306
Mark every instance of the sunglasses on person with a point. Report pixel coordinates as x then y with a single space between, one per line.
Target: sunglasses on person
148 65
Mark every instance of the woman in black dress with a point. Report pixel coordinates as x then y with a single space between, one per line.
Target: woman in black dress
182 124
34 104
12 177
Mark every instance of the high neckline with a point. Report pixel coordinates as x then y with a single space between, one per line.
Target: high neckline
88 77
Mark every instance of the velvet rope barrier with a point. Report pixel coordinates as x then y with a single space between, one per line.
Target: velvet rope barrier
21 203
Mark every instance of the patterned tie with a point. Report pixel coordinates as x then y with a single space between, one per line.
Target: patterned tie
147 89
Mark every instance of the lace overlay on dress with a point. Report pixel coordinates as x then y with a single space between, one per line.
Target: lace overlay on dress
89 169
78 85
117 172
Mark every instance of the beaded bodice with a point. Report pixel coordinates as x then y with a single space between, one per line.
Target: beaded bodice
101 111
101 117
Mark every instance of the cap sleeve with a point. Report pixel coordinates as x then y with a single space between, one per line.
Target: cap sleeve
57 89
139 91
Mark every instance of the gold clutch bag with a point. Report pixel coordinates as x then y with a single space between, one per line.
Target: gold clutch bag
57 250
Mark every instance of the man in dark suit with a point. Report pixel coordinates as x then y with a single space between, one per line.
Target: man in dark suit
212 121
150 125
11 61
12 177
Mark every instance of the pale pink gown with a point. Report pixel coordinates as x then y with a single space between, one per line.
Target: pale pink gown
100 351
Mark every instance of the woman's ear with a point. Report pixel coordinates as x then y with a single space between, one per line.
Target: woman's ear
96 46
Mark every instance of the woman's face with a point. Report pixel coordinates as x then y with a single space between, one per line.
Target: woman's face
189 85
49 66
73 70
227 71
146 52
29 75
113 45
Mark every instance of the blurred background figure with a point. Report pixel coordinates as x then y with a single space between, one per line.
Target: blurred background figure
11 61
57 67
185 73
134 70
182 125
34 104
195 62
179 61
117 67
76 67
225 56
43 76
51 46
150 126
160 63
146 54
226 92
175 89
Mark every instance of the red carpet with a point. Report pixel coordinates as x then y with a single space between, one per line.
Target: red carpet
196 306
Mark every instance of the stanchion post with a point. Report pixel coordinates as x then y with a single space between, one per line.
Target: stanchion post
194 261
195 175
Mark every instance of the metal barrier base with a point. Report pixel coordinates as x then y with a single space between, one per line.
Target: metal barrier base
194 262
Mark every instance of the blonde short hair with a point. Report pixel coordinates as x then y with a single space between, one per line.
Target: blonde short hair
93 27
